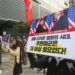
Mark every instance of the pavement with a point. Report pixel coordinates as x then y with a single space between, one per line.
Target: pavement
6 70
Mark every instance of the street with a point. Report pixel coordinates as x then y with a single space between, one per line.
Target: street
6 70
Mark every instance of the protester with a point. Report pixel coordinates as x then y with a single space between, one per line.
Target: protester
52 67
42 63
15 57
32 60
23 49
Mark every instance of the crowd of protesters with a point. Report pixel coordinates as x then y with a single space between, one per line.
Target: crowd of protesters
53 65
50 65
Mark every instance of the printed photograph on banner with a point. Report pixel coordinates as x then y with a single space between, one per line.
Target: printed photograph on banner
59 21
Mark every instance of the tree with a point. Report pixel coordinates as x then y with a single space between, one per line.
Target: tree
14 27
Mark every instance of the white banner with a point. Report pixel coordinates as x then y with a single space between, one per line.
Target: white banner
57 44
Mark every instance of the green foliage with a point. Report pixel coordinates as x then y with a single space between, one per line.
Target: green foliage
14 27
22 28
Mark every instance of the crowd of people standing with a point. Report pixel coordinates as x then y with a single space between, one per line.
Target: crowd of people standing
52 65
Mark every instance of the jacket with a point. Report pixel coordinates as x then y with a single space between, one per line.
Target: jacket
14 56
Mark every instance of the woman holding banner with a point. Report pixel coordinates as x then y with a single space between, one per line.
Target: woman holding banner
15 57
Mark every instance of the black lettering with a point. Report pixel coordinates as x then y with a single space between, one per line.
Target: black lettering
52 37
41 38
65 36
31 48
64 51
54 50
33 39
38 49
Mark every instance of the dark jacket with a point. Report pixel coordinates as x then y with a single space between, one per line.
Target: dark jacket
62 23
